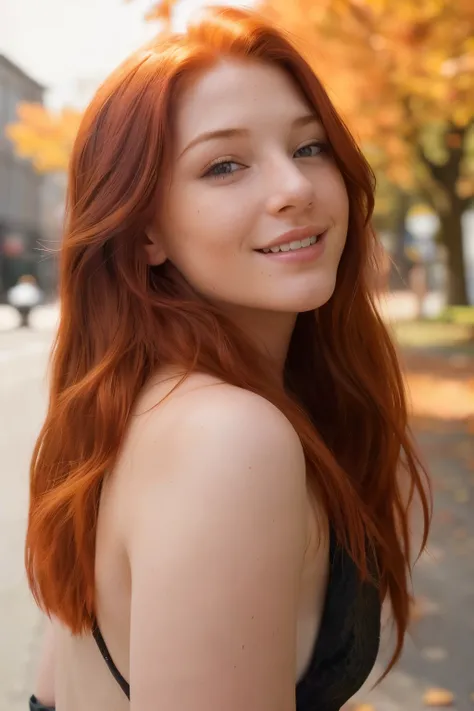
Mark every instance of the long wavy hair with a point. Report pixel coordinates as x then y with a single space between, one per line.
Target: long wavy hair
121 319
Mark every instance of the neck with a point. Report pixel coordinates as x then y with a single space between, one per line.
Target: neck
271 331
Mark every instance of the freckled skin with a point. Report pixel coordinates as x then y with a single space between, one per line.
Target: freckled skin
272 184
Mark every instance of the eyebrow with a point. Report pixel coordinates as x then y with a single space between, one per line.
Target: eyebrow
239 132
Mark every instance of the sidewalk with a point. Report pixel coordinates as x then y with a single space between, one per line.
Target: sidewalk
42 317
395 306
402 305
439 650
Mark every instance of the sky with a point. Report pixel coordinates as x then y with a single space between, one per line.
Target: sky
71 45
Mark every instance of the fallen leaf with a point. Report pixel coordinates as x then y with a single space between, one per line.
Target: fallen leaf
422 606
416 610
438 697
363 707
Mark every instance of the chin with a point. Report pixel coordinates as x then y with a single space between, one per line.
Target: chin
313 299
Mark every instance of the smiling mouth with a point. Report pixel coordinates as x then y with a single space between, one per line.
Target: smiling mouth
292 246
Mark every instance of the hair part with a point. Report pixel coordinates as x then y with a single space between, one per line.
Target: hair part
121 319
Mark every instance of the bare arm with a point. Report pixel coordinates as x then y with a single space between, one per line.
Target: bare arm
44 686
216 557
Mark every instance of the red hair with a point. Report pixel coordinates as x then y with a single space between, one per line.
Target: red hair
120 320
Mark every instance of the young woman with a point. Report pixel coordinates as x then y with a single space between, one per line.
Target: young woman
220 493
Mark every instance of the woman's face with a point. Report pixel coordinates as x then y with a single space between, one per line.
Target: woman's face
250 165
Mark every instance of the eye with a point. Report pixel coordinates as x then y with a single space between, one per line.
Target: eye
224 167
312 150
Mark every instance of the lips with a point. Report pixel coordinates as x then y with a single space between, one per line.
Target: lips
291 246
294 238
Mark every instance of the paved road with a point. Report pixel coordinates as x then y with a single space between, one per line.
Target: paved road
23 359
441 650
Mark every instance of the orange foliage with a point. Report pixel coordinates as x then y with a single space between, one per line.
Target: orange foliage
43 137
391 68
46 138
160 11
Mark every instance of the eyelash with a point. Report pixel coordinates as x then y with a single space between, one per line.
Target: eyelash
323 147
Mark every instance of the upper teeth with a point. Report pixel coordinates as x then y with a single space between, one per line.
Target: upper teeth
297 244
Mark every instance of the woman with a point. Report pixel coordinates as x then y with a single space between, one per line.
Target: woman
217 494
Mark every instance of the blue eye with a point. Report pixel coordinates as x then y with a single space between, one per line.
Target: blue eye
225 167
312 150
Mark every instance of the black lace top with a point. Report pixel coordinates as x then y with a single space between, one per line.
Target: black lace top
348 640
347 644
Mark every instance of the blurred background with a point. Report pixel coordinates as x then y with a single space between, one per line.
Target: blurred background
402 75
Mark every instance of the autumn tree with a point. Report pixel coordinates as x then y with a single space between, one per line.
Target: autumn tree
45 138
161 11
402 74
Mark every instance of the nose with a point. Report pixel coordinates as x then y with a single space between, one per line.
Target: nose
291 191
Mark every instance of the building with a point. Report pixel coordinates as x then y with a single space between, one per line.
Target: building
21 188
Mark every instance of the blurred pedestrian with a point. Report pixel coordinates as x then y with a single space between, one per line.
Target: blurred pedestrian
24 296
220 494
417 280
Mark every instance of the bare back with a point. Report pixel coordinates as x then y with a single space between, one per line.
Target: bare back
82 677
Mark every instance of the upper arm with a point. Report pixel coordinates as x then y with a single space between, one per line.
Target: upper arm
216 554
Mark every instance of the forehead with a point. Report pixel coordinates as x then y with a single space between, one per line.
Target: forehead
243 93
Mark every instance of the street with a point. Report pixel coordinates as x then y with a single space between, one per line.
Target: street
441 648
23 362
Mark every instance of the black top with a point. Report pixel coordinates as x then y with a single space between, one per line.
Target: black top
347 643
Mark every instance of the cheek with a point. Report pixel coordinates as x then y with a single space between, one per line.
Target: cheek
202 243
333 195
202 224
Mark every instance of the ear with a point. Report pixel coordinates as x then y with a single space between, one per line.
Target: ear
154 248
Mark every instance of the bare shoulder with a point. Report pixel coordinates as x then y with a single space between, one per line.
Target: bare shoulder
205 418
216 550
238 413
203 396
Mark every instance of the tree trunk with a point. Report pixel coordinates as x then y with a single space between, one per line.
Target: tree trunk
450 212
451 235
